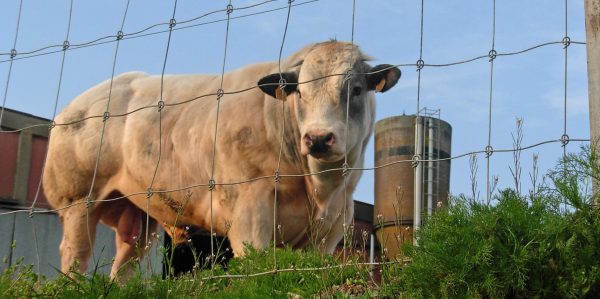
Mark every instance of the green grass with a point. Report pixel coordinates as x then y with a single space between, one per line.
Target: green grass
543 244
20 281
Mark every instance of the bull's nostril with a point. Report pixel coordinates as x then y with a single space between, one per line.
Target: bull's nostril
329 139
308 140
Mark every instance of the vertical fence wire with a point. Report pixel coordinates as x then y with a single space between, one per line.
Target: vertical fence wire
277 177
564 139
56 99
489 149
35 243
566 42
211 182
58 89
417 165
13 54
160 106
105 119
283 99
345 166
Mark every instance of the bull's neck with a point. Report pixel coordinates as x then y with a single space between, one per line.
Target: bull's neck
328 177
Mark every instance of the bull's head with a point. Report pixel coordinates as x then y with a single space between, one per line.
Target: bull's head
322 92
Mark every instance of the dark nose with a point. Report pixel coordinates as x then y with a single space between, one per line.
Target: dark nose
319 143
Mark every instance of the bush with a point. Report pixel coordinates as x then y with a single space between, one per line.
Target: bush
545 244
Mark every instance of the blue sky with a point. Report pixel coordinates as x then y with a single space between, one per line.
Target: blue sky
528 86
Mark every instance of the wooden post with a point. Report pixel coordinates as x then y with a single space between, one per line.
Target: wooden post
592 29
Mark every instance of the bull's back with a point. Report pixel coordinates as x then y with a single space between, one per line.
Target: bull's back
129 147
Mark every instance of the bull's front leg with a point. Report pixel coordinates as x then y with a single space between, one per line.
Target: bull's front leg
77 245
340 226
252 218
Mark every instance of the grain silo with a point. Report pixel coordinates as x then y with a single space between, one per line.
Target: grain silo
395 186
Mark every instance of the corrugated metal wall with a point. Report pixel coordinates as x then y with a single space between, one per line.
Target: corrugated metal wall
45 231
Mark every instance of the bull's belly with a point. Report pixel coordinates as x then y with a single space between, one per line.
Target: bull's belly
294 225
164 209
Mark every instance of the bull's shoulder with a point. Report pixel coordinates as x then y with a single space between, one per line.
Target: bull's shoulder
122 81
94 100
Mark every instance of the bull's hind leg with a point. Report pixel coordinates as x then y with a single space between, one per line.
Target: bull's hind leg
129 224
79 225
129 254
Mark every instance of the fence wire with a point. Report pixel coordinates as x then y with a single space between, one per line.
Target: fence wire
54 110
282 98
211 182
417 157
48 50
13 54
489 149
345 166
163 104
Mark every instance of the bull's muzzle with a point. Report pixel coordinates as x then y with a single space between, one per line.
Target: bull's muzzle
319 143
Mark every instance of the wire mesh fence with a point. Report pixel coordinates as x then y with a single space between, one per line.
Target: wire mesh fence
223 25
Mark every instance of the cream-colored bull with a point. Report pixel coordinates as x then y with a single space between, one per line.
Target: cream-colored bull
247 147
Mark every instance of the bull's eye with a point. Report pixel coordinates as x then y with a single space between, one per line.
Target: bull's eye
356 91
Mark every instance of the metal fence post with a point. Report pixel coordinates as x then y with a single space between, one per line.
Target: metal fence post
418 193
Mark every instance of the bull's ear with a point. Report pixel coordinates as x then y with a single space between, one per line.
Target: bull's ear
270 83
383 77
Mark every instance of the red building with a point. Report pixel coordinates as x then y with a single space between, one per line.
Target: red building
22 159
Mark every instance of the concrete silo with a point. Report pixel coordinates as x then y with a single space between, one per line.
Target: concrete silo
395 185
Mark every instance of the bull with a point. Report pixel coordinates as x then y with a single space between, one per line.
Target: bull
328 91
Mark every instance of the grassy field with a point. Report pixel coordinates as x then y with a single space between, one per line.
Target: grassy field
302 274
543 243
